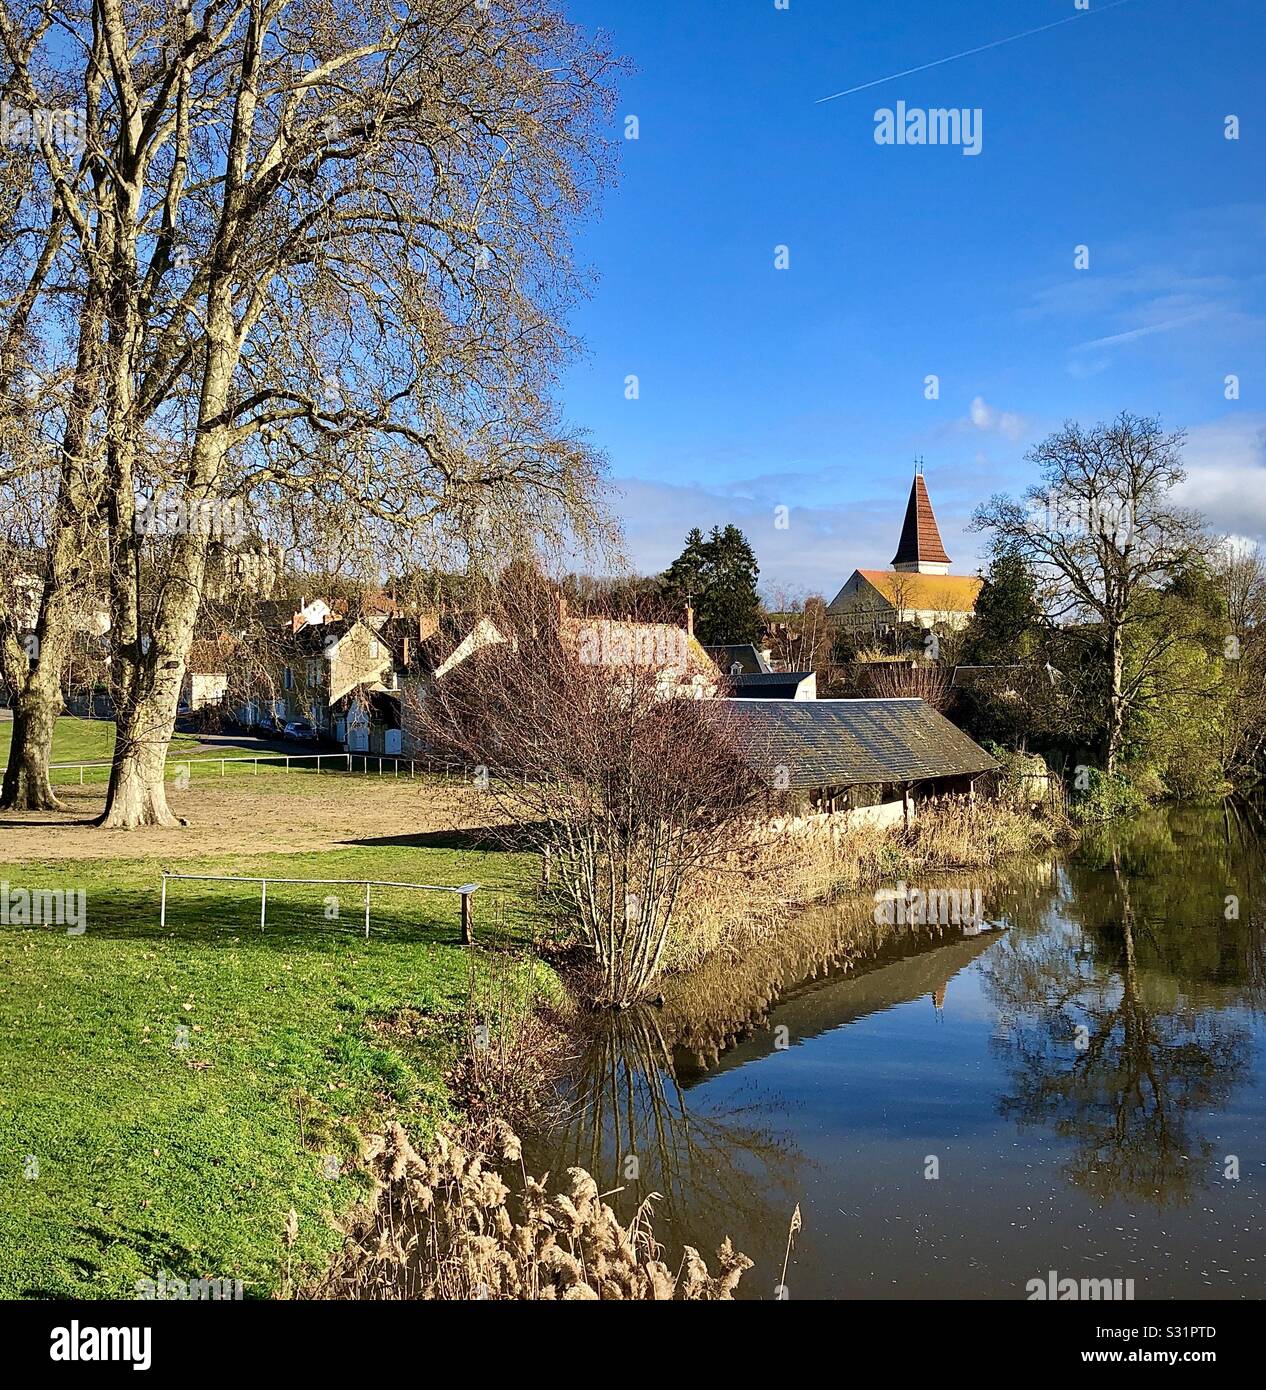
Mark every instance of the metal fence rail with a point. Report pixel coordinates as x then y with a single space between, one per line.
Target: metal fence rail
382 761
466 890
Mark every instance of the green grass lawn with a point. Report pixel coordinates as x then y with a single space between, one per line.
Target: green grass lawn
167 1096
91 740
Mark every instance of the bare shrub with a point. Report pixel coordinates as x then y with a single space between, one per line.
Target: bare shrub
589 745
900 680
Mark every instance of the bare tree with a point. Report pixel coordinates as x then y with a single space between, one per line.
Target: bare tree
331 240
589 749
1102 537
50 470
910 680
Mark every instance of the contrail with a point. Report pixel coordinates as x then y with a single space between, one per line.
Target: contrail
967 53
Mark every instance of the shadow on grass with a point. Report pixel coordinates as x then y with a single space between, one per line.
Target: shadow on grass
196 914
158 1254
489 839
475 839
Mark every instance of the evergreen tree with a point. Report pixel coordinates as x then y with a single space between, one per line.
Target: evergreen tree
683 580
718 575
1006 623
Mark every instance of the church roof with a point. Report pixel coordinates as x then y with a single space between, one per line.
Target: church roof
926 593
920 538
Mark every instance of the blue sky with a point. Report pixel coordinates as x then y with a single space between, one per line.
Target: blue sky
804 388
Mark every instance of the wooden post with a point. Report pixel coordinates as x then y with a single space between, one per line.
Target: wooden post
162 911
468 934
263 902
545 866
221 767
907 805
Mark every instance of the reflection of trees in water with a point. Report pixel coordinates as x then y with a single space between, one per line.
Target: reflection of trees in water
1150 1058
1181 864
716 1174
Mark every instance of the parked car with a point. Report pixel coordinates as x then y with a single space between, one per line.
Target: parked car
268 725
301 730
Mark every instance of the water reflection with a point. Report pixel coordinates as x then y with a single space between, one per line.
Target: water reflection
1103 1049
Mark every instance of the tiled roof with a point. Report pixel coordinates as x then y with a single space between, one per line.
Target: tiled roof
845 743
741 654
920 536
938 593
768 685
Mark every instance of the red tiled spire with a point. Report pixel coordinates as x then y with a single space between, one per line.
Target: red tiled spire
920 539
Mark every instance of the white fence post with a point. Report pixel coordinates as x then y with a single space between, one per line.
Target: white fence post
162 911
367 912
263 902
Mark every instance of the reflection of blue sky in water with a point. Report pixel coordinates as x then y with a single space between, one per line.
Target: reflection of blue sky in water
1102 1161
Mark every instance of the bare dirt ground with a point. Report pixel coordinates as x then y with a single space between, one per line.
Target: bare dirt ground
268 814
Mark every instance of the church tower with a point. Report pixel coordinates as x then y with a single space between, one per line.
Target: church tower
920 550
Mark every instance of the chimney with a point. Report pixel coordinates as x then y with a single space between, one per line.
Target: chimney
690 621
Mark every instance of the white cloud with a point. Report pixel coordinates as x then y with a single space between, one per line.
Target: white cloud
1007 422
1226 475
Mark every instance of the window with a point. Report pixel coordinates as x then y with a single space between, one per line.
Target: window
289 680
314 672
375 648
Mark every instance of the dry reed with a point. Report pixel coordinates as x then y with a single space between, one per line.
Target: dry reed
442 1227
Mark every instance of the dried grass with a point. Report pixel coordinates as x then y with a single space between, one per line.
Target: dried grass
752 893
444 1227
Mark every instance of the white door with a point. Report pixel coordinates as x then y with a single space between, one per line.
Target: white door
358 739
340 729
392 744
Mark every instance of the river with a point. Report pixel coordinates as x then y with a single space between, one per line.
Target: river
1079 1089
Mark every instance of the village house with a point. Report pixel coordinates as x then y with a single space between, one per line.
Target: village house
918 591
752 675
682 668
322 668
446 640
206 681
858 761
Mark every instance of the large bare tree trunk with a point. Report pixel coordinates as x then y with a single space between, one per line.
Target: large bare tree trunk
37 681
137 794
26 779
